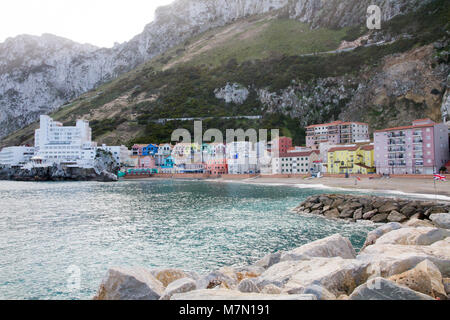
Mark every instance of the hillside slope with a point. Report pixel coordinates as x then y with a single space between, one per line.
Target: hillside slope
271 66
46 79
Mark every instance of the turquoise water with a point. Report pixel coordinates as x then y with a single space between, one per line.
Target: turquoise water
48 228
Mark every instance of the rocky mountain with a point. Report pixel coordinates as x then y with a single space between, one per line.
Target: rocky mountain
39 74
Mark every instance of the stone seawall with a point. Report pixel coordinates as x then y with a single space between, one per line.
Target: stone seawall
373 208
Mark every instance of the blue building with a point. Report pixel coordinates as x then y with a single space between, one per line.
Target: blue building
150 150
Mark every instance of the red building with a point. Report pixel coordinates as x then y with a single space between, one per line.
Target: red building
282 144
216 166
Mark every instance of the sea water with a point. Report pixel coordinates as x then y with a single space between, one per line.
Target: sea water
58 239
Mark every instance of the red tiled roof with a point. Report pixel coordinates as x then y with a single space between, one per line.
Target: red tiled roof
334 123
367 147
354 148
408 127
298 154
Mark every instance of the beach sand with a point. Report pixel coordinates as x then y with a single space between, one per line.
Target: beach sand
402 185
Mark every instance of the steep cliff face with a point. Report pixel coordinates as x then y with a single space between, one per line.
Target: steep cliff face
39 74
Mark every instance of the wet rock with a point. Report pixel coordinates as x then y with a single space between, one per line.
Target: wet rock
129 284
383 289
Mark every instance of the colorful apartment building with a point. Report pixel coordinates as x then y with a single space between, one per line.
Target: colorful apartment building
337 132
421 148
351 159
296 163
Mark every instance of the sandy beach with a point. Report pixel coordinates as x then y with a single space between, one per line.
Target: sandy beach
405 185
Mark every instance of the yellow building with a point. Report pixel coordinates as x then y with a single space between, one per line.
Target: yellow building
351 159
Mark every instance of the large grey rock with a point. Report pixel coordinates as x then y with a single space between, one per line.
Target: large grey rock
225 277
224 294
414 236
425 278
414 222
248 285
179 286
269 260
129 284
333 246
373 235
369 215
333 213
320 292
442 220
383 289
396 216
167 276
336 274
380 217
389 259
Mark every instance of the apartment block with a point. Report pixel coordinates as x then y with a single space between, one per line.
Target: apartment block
337 132
422 148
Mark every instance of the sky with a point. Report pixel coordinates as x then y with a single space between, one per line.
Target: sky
98 22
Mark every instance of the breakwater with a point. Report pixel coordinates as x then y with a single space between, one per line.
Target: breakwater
372 208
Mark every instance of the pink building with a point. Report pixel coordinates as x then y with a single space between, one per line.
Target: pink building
147 162
422 148
136 150
337 132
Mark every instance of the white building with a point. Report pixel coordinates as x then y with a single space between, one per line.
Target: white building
120 153
296 163
164 151
242 158
16 156
55 143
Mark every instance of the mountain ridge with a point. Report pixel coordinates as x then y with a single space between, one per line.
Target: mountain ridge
51 79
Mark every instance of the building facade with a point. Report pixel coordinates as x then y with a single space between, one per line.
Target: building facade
422 148
337 132
16 156
296 163
55 143
357 159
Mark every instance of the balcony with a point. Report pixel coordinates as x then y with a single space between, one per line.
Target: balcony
396 134
417 141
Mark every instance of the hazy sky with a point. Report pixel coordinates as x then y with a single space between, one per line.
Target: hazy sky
99 22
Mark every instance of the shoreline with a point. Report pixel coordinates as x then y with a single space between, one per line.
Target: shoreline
410 187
